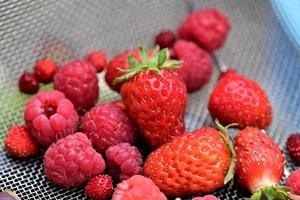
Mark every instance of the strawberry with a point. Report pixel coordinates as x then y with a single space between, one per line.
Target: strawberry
259 164
19 143
197 162
99 188
237 99
154 96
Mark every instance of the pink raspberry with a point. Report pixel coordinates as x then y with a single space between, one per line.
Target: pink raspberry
138 188
107 125
165 39
293 182
197 65
50 116
124 161
207 197
71 161
79 82
208 27
97 59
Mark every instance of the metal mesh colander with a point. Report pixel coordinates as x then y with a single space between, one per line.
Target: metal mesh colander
32 29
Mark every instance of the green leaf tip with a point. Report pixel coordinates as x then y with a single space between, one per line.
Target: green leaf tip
272 193
158 60
224 135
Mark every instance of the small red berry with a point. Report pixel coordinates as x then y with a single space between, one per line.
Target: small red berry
99 187
19 143
165 39
293 182
97 59
28 83
44 70
293 147
207 197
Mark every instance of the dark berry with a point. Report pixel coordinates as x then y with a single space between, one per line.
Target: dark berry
28 83
165 39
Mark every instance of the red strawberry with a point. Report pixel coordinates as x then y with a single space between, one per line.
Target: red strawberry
293 147
237 99
155 97
197 162
19 143
117 64
99 188
208 27
44 70
259 164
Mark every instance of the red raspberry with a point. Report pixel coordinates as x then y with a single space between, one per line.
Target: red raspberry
208 27
138 188
44 70
207 197
50 116
293 182
71 161
120 62
19 143
165 39
107 125
293 147
124 161
120 103
99 187
28 83
79 82
97 59
197 65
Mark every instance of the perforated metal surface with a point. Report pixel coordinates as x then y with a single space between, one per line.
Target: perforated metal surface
29 30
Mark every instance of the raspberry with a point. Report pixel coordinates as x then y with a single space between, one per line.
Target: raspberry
197 65
119 103
50 116
165 39
107 125
123 161
97 59
28 83
293 147
71 161
207 197
99 187
44 70
19 143
78 81
138 188
293 182
120 62
208 27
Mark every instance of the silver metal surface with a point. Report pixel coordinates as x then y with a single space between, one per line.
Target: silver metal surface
32 29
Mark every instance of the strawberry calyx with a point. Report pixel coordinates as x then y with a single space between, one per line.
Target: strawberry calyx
224 130
159 60
272 192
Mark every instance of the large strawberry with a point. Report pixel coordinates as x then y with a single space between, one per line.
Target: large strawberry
154 96
237 99
197 162
259 165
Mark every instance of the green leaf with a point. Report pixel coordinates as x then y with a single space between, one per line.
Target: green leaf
143 54
132 62
271 193
125 77
162 57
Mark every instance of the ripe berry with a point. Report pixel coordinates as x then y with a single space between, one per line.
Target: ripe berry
293 147
99 188
123 161
44 70
78 80
208 27
197 65
293 182
207 197
50 116
165 39
71 161
28 83
107 125
19 143
138 188
97 59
